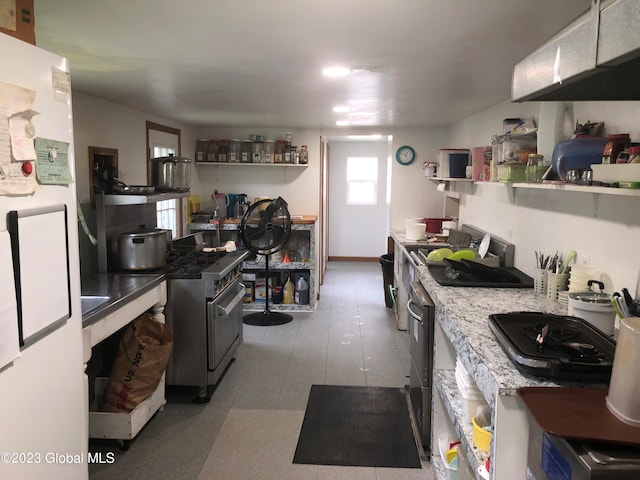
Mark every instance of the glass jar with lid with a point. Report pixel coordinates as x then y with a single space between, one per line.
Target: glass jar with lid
202 148
223 150
256 153
234 151
278 152
212 151
535 168
267 151
245 151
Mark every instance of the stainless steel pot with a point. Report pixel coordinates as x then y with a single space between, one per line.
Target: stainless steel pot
171 173
143 249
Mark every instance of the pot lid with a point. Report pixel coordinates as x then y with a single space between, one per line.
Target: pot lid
591 297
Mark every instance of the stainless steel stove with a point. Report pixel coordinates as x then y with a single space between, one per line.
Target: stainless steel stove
204 312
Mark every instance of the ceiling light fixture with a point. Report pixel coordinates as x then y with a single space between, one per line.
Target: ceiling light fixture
343 123
342 109
336 71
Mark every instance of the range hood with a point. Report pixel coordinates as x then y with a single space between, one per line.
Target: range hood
596 57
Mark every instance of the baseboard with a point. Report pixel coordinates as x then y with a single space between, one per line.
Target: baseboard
353 259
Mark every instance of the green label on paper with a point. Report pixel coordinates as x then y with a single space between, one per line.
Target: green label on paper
52 162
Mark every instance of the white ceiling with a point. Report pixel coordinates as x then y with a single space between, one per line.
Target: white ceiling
258 62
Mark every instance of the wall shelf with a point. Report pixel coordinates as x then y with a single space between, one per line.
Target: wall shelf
235 164
449 179
561 187
568 187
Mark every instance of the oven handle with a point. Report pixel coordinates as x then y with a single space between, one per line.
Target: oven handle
226 310
412 313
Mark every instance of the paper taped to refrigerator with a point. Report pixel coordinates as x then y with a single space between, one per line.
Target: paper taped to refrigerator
15 108
9 343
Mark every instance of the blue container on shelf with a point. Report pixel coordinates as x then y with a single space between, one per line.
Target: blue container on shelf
458 163
577 154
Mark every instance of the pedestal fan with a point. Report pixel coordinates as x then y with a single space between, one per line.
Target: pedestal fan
265 229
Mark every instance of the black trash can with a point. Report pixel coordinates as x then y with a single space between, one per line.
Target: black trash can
387 277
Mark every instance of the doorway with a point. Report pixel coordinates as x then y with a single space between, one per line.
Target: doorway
359 179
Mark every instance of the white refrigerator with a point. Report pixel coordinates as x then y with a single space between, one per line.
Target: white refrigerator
43 387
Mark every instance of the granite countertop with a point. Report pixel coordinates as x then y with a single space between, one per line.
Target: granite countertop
463 315
116 290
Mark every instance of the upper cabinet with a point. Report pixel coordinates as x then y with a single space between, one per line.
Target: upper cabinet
596 57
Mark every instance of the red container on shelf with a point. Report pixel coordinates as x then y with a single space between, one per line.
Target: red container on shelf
434 225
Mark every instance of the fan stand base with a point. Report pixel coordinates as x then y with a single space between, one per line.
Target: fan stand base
267 318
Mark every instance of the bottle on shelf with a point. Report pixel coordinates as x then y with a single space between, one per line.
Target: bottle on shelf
304 155
302 291
288 292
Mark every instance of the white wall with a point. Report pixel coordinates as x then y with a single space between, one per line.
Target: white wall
602 228
300 187
98 123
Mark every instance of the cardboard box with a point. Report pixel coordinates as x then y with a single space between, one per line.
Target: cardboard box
18 20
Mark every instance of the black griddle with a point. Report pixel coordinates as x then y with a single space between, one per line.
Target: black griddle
570 349
478 275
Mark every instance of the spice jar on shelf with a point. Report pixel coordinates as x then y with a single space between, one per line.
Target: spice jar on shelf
223 150
234 151
267 151
212 151
202 147
245 151
256 155
278 152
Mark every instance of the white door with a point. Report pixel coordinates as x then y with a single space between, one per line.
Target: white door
359 179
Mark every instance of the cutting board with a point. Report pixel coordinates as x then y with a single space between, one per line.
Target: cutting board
577 414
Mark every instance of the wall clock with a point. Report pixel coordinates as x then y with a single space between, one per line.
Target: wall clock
405 155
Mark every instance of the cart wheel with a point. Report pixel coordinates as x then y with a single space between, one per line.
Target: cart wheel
124 445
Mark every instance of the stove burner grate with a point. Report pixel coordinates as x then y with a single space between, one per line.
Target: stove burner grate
563 337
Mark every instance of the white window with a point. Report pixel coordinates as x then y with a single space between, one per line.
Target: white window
166 210
362 180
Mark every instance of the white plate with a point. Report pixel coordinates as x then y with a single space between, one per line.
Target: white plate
484 246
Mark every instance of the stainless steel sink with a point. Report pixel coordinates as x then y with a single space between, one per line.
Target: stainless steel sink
91 302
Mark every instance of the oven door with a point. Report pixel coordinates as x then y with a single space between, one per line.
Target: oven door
224 322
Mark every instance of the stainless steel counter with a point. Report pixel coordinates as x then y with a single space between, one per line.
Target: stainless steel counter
103 293
111 301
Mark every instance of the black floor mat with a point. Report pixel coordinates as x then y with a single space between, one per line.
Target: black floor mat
357 426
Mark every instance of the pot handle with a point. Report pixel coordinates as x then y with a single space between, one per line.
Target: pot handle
597 282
